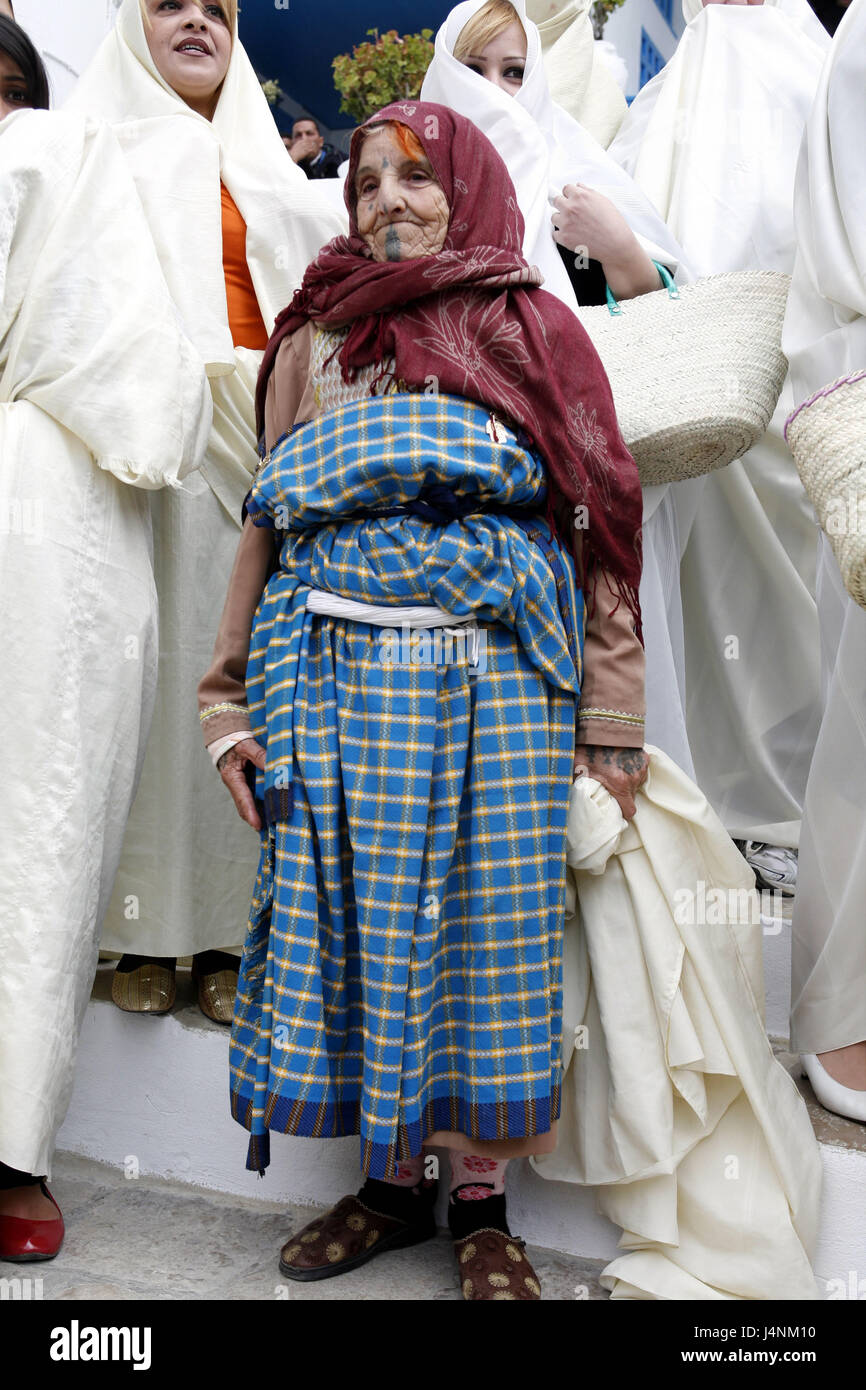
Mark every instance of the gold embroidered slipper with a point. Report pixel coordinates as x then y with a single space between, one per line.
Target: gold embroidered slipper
346 1237
494 1266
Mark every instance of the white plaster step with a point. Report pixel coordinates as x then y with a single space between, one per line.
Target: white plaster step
151 1098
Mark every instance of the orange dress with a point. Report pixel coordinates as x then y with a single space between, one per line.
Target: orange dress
245 319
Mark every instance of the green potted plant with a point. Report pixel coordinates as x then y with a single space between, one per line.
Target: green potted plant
390 68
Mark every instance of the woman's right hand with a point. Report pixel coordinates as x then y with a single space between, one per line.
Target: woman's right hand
231 768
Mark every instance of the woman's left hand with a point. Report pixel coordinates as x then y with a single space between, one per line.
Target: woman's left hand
620 770
586 220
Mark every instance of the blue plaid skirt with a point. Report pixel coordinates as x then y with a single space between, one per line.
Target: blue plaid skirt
402 968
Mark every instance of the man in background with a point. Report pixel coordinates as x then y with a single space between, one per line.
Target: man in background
309 151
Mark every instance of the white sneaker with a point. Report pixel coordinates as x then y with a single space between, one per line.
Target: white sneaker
841 1100
773 866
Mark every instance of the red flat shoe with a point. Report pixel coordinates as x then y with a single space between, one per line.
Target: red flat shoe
23 1240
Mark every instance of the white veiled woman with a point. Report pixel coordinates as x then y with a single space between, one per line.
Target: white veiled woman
573 195
85 319
235 224
713 141
825 338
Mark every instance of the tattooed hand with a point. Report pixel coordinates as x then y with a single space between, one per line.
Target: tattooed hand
620 770
231 768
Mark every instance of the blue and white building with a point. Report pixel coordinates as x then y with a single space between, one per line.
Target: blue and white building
645 34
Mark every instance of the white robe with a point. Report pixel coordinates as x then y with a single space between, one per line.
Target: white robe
825 338
85 319
580 80
189 861
713 140
544 148
828 955
674 1108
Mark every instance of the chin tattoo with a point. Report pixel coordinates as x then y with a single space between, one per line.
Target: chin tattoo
393 245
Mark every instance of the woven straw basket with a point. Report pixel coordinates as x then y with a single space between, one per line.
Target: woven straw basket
827 436
695 372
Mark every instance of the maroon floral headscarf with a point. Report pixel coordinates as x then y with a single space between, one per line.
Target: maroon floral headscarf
474 317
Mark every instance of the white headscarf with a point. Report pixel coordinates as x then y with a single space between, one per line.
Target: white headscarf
825 325
580 80
713 139
543 148
85 317
178 159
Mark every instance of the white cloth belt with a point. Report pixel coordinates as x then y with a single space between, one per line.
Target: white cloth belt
424 615
334 606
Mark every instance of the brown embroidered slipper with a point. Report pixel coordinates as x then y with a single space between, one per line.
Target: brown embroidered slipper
143 986
346 1237
215 976
493 1266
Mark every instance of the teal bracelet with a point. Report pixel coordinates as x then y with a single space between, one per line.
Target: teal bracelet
666 279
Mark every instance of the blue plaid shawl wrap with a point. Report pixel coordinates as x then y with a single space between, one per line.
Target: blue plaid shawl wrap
357 1012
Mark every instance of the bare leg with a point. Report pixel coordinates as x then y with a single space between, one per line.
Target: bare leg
21 1195
847 1065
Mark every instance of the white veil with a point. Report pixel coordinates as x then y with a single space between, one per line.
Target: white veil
799 11
726 203
581 82
825 325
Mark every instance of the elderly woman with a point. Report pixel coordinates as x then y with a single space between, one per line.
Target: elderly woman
235 223
85 318
442 439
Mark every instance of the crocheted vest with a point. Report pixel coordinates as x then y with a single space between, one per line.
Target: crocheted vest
328 384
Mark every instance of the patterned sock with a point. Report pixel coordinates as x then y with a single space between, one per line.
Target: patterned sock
477 1177
477 1194
406 1195
408 1172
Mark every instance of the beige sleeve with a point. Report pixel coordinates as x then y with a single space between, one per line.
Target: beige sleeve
290 400
612 699
222 697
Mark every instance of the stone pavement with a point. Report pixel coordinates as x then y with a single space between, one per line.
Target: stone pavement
145 1238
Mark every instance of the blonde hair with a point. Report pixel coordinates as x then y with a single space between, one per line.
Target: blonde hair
490 21
228 7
